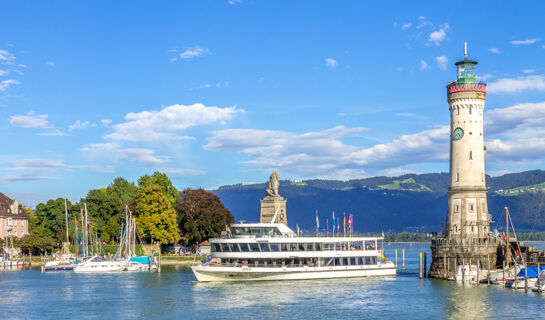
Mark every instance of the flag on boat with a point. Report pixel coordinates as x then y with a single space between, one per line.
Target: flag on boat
350 223
383 233
297 226
317 221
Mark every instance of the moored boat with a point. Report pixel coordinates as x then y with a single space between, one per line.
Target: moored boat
272 251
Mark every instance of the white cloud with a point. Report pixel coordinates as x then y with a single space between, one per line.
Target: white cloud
39 165
518 84
193 52
6 56
4 72
218 84
234 2
165 124
439 35
106 122
422 22
181 171
114 151
423 64
4 85
442 62
528 71
406 26
523 42
30 121
54 133
330 62
324 154
520 119
495 50
484 77
50 63
79 125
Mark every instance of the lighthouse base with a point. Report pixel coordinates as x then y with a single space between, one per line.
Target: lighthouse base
447 254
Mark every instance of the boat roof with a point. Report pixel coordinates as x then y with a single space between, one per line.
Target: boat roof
281 227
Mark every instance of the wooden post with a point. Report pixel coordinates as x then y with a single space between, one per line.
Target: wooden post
159 266
526 278
463 270
420 265
403 258
504 274
425 264
488 276
396 257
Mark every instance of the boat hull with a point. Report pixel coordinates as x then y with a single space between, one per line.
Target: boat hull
227 274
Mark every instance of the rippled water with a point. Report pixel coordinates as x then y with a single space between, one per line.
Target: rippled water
173 294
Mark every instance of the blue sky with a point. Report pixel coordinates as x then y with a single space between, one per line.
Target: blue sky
222 92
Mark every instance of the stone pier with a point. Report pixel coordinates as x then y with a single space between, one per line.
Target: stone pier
449 253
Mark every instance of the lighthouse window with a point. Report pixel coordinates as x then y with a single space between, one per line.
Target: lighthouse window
458 110
457 177
470 155
482 177
470 109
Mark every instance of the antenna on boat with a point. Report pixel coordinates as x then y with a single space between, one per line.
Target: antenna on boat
275 213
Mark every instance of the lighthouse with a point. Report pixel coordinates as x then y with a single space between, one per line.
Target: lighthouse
465 239
467 211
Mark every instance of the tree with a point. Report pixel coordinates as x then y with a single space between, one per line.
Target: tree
124 190
104 209
49 219
163 181
35 243
155 217
201 215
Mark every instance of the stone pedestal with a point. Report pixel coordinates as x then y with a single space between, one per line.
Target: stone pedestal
269 205
449 253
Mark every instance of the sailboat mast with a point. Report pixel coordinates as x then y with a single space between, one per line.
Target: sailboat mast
84 252
86 226
66 220
507 235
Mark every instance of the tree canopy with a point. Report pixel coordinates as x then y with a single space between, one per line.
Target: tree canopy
201 215
155 216
163 181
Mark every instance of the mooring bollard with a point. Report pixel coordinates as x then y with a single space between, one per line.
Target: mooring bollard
396 257
403 258
420 265
425 265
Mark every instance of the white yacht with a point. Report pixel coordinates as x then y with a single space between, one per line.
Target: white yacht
97 264
272 251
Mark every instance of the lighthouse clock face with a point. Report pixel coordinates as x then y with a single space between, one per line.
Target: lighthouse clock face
458 133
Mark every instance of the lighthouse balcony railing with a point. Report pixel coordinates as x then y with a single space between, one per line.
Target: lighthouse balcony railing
461 87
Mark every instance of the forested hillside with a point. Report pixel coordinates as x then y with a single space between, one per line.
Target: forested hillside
406 203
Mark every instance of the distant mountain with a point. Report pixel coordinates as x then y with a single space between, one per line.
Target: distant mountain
411 202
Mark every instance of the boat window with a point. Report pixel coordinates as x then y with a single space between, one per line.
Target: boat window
360 261
254 247
301 247
345 261
264 247
318 246
284 247
275 246
232 247
293 246
310 246
338 261
353 261
217 247
243 247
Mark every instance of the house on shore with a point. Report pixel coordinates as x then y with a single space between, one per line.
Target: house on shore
13 218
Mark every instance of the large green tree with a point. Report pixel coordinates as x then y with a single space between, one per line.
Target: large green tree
124 190
105 212
49 219
155 216
35 243
163 181
201 215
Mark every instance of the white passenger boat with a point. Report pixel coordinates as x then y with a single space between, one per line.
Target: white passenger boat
97 264
272 251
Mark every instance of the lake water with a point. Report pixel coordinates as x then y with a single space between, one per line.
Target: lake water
173 294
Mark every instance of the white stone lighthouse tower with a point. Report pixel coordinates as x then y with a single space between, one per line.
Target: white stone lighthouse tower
467 214
466 239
